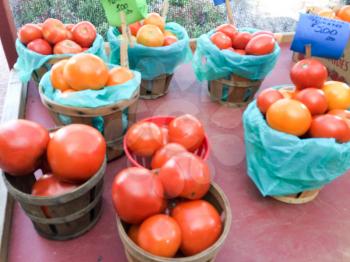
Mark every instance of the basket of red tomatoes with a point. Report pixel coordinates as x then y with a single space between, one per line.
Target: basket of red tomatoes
39 46
151 141
297 137
234 62
56 177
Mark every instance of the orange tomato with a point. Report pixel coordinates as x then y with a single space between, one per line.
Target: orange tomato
344 13
328 13
221 40
169 33
119 75
169 40
288 92
337 94
56 76
133 233
155 19
289 116
85 71
150 35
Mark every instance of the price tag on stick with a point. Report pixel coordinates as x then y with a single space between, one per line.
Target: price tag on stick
327 37
228 9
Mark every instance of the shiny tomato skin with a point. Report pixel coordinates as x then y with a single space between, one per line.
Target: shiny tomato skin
49 186
185 175
188 131
165 153
137 194
314 99
76 152
84 33
200 225
309 73
160 235
227 29
54 31
241 40
56 76
261 45
330 126
337 94
22 146
29 32
40 46
221 40
165 132
118 76
67 47
267 97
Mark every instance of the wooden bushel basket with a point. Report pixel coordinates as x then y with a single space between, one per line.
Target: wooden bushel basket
300 198
218 199
62 217
158 87
113 128
234 91
39 73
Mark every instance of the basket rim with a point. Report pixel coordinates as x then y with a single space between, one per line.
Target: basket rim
165 118
215 247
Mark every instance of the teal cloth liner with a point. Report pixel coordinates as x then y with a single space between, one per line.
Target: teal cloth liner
153 61
29 61
211 63
283 164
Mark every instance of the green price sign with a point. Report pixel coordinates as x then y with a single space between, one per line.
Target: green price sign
134 10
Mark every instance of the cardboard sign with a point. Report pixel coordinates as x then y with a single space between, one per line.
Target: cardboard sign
219 2
134 10
327 37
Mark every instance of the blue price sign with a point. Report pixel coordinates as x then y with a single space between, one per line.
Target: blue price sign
219 2
327 37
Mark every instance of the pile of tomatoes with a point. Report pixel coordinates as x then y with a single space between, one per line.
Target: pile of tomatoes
151 32
64 156
73 74
313 108
342 14
54 37
165 206
259 43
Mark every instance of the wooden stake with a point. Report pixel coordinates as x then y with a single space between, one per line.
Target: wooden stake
308 51
229 12
124 61
130 39
165 9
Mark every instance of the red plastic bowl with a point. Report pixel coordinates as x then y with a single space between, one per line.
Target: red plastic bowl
140 161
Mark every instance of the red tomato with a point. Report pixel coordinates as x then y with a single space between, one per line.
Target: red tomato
76 152
240 51
54 31
169 40
133 233
137 194
187 131
221 40
84 33
263 33
40 46
330 126
69 27
165 133
227 29
134 28
22 145
49 186
200 225
29 32
67 47
165 153
267 97
314 99
185 175
160 235
241 40
144 138
309 73
261 45
344 114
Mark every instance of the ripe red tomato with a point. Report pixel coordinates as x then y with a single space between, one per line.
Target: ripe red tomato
160 235
40 46
134 28
50 186
330 126
187 131
169 40
144 138
241 40
22 145
54 31
165 153
267 97
261 45
314 99
133 233
137 194
227 29
71 157
221 40
185 175
344 114
165 132
84 33
200 225
263 33
308 73
67 47
69 27
240 51
29 33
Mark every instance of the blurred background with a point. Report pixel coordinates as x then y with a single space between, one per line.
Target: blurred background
197 16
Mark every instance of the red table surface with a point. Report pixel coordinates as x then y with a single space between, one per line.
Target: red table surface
263 229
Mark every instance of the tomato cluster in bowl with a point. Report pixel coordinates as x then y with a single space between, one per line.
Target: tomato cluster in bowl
226 37
314 108
54 37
